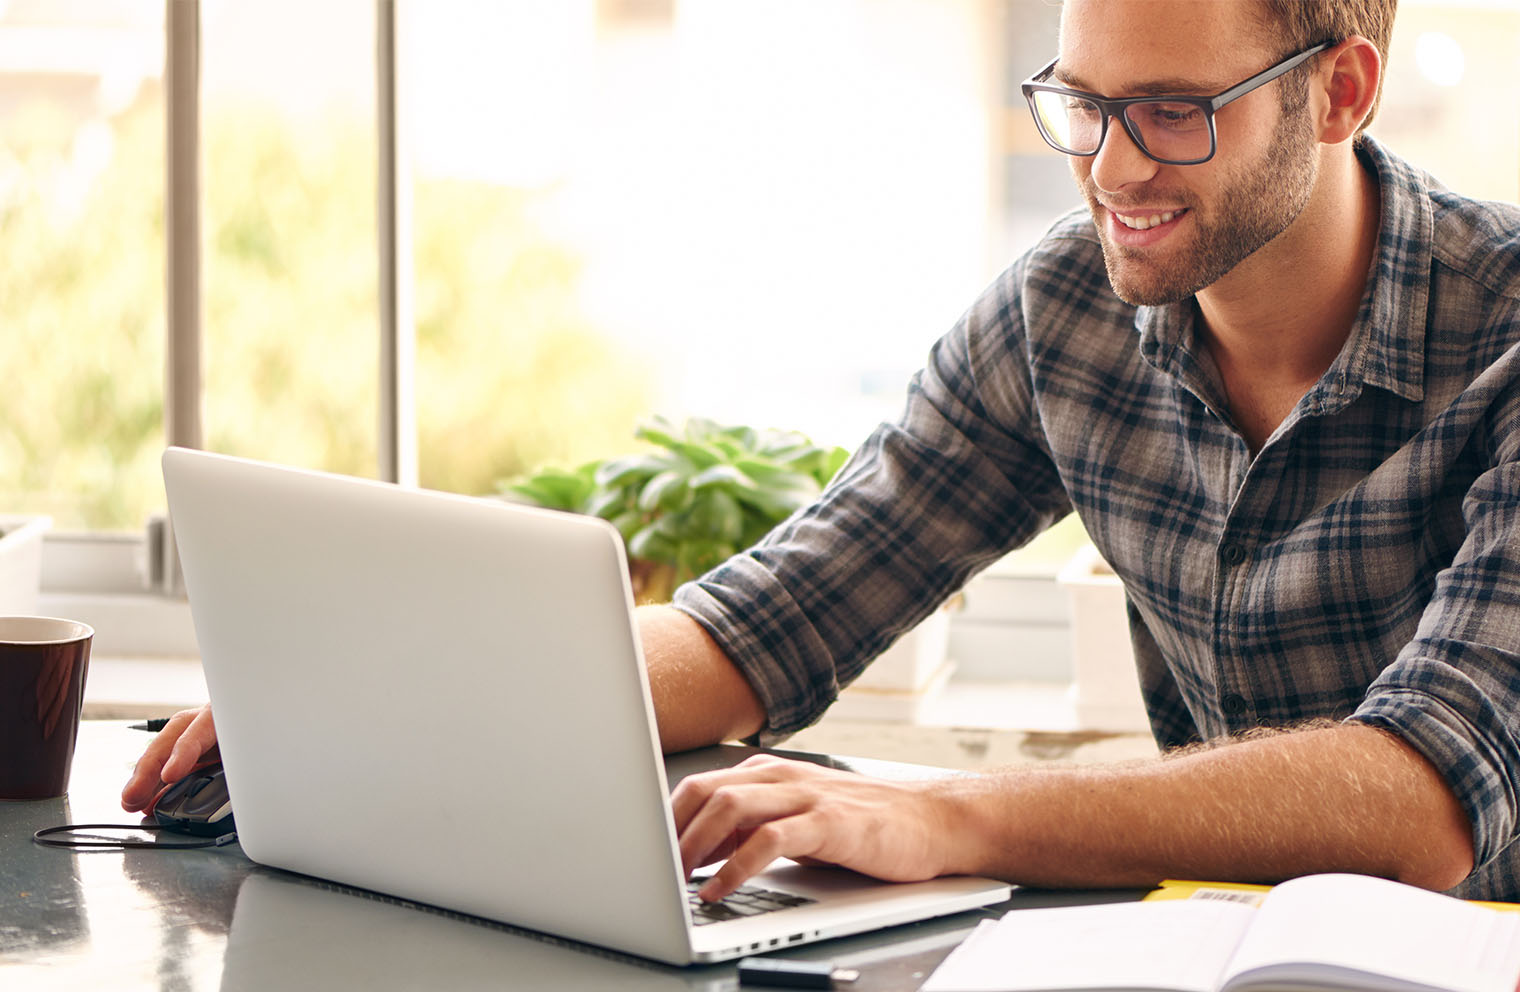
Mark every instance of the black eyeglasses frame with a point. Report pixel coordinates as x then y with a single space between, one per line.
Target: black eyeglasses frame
1111 108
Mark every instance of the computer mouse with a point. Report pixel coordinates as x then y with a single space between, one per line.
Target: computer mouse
197 804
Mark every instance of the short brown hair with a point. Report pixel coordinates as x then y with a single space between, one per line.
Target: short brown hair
1302 23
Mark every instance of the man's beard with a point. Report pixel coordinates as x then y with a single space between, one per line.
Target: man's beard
1256 206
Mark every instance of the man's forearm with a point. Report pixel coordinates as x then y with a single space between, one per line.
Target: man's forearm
700 698
1339 798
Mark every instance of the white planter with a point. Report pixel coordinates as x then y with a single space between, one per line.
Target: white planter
913 660
20 563
1105 686
904 679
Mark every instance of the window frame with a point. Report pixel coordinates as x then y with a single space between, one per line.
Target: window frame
129 585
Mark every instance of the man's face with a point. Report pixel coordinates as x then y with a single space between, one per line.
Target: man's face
1169 231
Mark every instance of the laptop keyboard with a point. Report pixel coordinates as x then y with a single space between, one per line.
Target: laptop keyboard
746 900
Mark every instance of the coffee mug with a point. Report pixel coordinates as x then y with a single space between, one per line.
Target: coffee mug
42 669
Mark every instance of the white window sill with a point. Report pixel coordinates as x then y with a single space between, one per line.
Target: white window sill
123 688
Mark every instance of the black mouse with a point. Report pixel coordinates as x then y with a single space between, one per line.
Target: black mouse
197 804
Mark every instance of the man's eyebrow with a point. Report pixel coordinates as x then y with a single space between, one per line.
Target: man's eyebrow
1169 86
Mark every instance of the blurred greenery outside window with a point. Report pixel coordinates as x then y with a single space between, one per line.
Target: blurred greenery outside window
620 208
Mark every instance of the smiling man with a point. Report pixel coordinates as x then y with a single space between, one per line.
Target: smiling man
1272 369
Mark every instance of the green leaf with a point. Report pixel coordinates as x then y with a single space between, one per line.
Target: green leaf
631 469
527 492
747 437
755 528
785 481
607 504
651 545
730 450
656 433
702 429
724 517
554 488
672 527
780 444
628 523
793 454
834 461
759 469
772 507
728 476
667 491
700 456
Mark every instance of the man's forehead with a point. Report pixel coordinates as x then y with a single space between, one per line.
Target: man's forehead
1140 47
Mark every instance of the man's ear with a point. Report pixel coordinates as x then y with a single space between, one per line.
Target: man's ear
1347 84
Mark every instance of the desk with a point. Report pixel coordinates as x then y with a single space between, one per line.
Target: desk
212 919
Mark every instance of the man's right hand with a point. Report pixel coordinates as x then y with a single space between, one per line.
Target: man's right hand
183 743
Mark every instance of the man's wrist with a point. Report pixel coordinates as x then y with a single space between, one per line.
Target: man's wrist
970 832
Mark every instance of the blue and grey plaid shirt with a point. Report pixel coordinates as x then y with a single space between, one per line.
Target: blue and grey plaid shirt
1364 565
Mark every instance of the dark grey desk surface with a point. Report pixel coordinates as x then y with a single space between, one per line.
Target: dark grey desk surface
212 919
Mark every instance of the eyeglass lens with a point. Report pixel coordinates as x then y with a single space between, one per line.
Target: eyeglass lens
1169 130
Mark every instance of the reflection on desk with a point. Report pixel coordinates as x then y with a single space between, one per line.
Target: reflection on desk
211 919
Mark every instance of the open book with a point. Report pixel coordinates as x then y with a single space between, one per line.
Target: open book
1349 932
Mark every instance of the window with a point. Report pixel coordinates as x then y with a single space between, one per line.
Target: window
289 257
1451 103
750 210
82 295
756 214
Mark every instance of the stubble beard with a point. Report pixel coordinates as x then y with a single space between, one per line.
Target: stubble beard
1257 205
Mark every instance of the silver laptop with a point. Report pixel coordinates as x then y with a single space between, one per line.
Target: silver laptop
443 699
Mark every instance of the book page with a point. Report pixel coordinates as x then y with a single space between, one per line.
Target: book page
1358 932
1171 946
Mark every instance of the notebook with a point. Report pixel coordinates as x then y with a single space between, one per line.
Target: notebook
443 699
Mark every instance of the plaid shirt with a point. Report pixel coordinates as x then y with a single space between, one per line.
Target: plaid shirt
1364 565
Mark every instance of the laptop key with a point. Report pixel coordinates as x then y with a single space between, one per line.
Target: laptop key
747 900
715 913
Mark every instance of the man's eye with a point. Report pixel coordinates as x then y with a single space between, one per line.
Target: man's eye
1176 116
1080 109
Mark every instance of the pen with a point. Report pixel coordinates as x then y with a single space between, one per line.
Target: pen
779 973
152 726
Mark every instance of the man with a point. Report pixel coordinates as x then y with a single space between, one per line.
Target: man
1272 370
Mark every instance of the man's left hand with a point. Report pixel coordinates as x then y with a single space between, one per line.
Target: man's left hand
768 808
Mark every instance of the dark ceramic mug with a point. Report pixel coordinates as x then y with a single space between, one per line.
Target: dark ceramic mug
42 668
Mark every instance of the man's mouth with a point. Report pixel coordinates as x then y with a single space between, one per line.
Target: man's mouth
1144 222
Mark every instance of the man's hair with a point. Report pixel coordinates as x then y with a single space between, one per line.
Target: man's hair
1302 23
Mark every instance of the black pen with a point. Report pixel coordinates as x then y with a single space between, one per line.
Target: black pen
152 726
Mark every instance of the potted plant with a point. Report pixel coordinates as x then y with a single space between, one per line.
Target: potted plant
702 493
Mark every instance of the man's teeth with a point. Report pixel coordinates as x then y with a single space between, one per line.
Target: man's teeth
1144 223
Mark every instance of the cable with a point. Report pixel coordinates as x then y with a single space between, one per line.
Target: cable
46 839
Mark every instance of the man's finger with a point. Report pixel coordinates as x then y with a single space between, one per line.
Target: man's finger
192 745
733 809
150 770
793 836
692 793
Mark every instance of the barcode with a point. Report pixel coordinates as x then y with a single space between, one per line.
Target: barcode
1228 895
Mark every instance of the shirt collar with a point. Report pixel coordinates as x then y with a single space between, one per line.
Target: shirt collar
1386 347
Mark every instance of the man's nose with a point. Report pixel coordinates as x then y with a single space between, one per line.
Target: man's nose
1119 161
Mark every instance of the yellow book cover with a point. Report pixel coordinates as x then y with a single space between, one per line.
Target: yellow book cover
1247 893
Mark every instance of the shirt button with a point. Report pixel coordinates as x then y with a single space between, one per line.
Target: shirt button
1234 704
1232 554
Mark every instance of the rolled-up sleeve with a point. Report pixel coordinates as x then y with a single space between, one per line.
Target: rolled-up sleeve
927 501
1453 693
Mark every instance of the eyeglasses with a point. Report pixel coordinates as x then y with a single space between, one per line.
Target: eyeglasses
1173 130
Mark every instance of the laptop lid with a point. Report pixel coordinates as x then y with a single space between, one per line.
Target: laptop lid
444 699
432 696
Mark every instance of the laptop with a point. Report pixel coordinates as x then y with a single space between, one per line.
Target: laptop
443 699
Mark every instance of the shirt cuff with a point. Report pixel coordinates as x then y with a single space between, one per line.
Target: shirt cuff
768 638
1461 734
